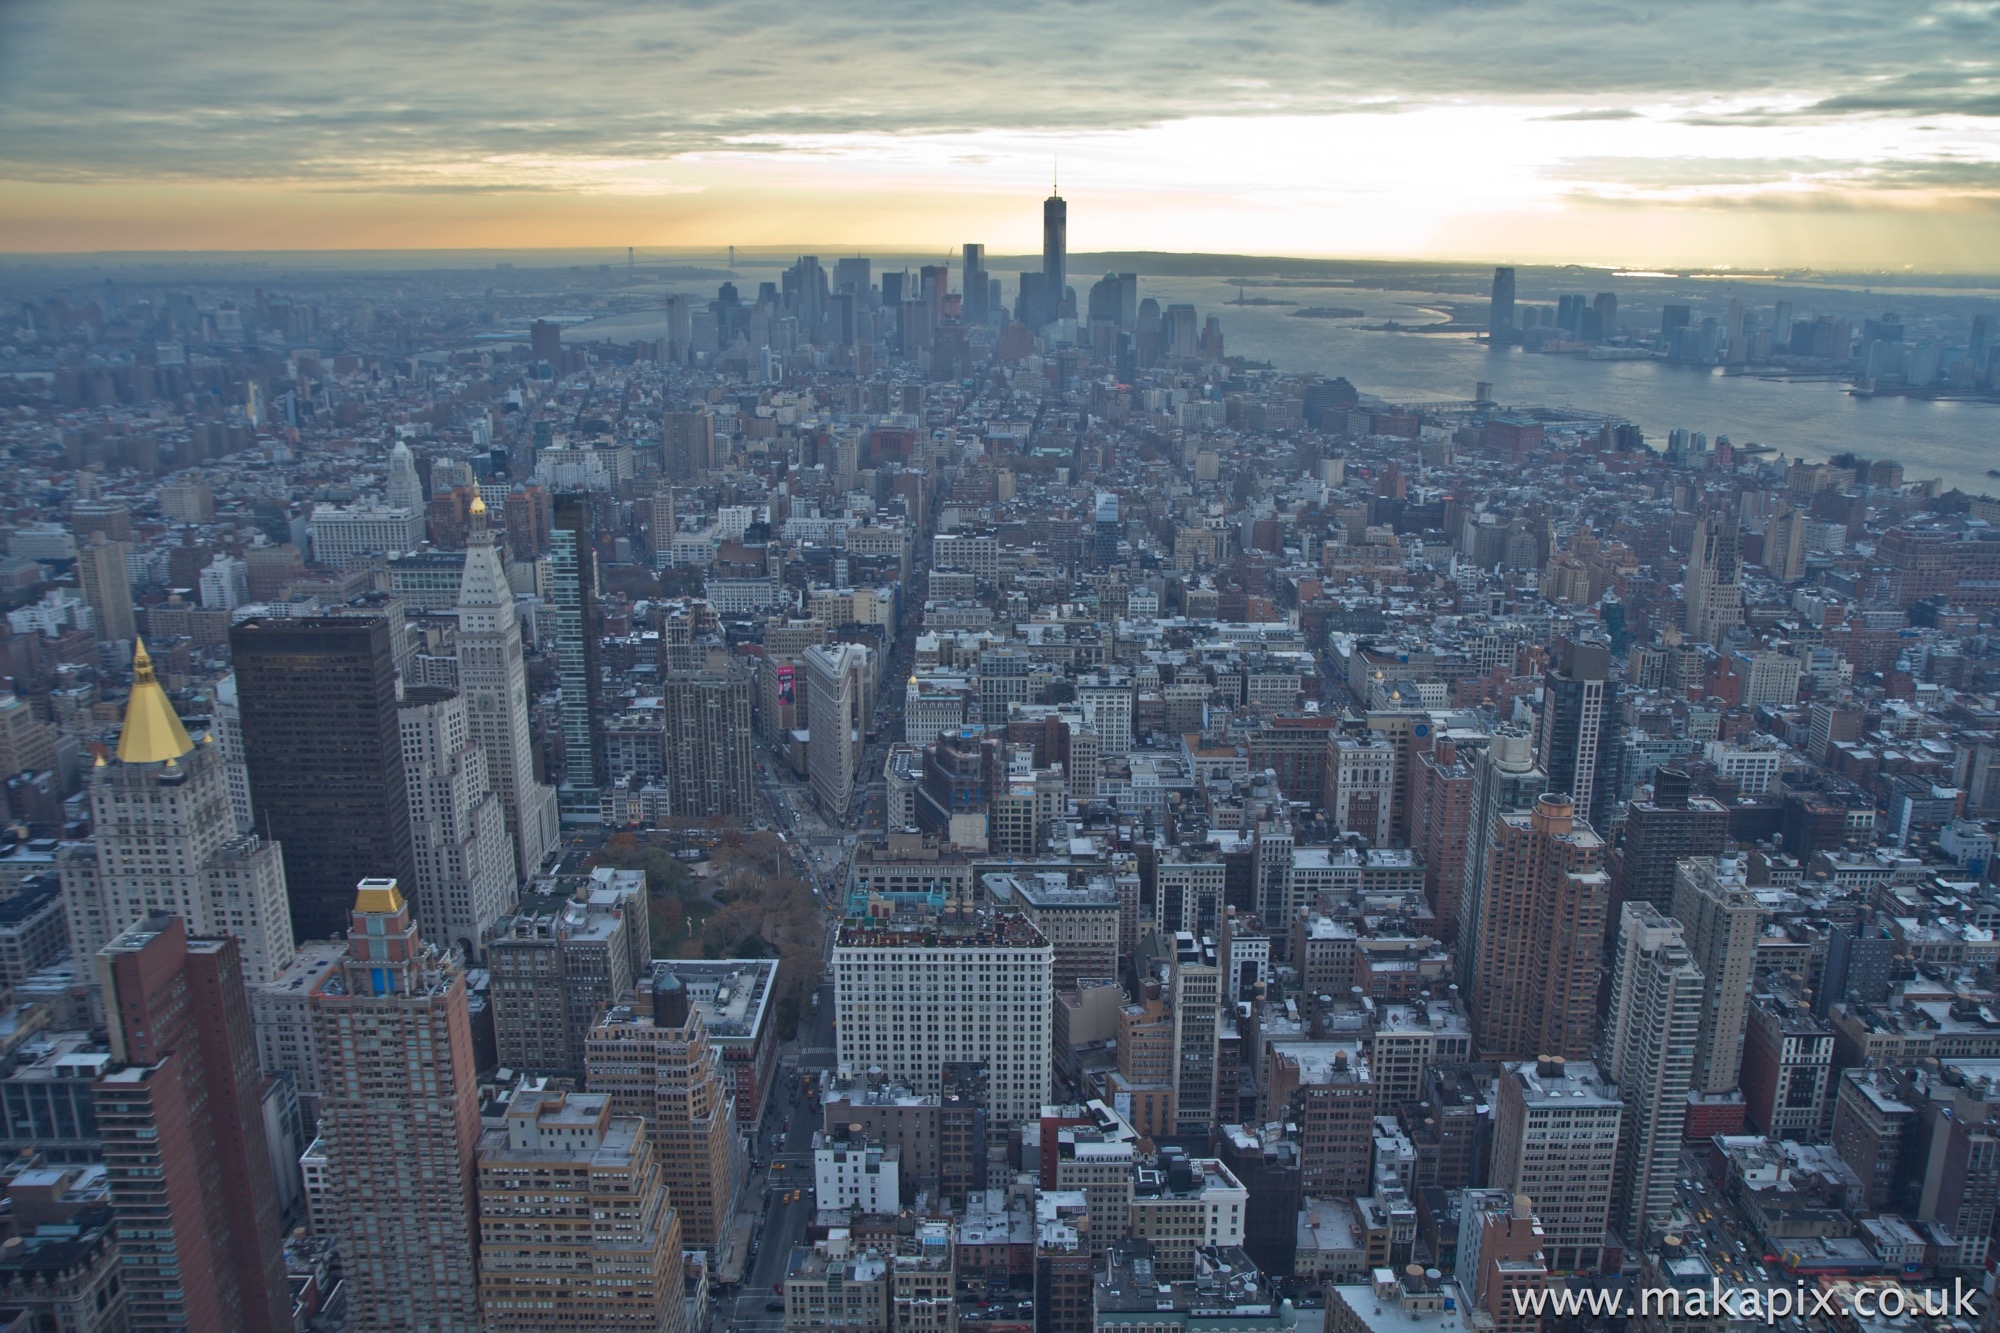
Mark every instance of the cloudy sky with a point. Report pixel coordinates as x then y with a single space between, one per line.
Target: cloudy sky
1825 133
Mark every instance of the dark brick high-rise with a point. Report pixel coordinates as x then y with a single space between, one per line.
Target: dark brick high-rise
181 1115
324 749
1658 834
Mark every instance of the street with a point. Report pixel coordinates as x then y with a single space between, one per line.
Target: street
784 1145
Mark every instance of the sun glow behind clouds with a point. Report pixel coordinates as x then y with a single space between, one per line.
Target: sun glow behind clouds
1388 181
1790 132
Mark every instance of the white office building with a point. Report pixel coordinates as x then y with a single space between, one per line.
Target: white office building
851 1172
908 1001
343 536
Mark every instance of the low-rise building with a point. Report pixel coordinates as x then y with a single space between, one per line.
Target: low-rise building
831 1285
850 1172
1225 1291
1183 1204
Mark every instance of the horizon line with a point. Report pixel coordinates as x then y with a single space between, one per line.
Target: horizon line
1711 271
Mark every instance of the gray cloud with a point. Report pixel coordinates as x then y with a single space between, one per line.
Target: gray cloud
1919 96
375 90
1707 173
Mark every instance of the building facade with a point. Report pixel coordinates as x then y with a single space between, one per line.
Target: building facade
399 1120
1540 936
575 1227
709 743
165 841
835 719
1721 920
465 878
183 1129
910 1000
323 747
1650 1046
1555 1139
493 677
661 1067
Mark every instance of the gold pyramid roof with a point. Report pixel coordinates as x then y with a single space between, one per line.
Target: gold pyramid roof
152 734
378 895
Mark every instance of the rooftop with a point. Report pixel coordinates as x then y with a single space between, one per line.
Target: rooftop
976 930
733 994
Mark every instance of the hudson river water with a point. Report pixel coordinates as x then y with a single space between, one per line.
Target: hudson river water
1956 441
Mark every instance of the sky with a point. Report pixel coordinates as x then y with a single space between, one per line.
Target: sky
1826 134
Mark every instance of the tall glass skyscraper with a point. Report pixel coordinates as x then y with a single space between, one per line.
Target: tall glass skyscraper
1500 327
1055 255
324 750
573 557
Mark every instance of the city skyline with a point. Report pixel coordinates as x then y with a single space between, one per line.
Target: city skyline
1833 136
948 776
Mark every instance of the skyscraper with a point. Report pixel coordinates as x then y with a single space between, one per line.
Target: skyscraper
493 677
1408 731
1500 325
1555 1139
1712 586
164 840
1030 304
933 285
545 342
562 1157
912 1000
399 1124
1055 255
106 586
1540 937
1107 530
1785 545
975 309
1660 831
1440 825
1575 742
574 603
181 1118
1721 919
1649 1044
852 276
834 711
324 750
555 963
662 1067
689 446
709 742
1504 778
465 862
1197 997
1606 307
403 490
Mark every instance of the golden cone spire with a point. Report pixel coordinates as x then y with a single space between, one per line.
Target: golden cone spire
153 734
